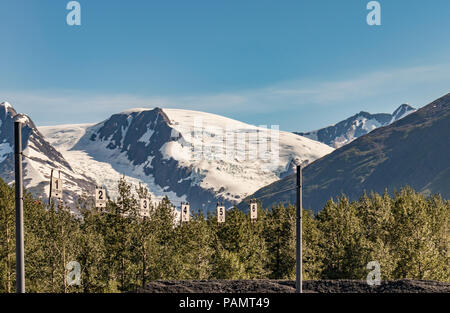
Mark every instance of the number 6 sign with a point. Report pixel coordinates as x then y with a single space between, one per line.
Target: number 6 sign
253 210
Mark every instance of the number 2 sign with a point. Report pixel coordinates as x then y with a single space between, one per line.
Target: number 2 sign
100 198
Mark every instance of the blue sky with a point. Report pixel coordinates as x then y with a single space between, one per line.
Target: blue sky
298 64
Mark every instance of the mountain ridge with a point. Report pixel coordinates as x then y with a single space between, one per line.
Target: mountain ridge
40 157
411 151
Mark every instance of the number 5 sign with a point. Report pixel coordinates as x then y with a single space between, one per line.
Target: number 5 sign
100 198
220 214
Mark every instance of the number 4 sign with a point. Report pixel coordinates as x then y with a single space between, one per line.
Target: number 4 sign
185 207
100 198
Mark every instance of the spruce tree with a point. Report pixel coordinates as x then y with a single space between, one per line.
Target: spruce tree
7 238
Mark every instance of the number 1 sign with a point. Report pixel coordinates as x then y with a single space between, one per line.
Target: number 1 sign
56 187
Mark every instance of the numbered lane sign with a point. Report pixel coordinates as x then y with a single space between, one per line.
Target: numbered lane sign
253 210
145 207
56 187
185 207
220 214
100 198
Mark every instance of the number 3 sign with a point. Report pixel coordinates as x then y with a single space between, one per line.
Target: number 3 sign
145 208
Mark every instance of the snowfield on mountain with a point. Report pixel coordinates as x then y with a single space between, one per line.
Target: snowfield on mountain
182 154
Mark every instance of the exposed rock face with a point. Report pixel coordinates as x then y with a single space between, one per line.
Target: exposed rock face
123 134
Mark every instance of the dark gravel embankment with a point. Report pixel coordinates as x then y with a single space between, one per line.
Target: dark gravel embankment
280 286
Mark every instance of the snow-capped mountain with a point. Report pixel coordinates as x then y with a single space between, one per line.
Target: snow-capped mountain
355 126
402 111
40 157
187 155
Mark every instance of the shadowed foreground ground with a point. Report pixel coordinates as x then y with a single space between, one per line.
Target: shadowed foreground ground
283 286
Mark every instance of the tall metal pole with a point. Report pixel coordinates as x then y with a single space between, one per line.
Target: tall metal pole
20 260
299 254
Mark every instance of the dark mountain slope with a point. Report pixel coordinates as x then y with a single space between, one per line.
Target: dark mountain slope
412 151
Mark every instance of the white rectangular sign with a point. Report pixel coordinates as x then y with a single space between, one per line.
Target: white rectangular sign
56 187
100 198
220 214
253 210
185 212
145 207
